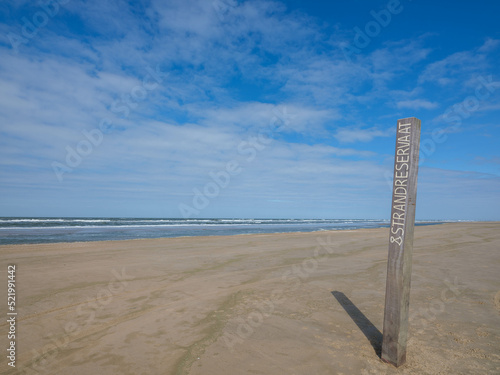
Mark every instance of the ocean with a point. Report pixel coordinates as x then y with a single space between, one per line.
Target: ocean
28 230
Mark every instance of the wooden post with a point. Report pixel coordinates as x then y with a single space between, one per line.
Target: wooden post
404 194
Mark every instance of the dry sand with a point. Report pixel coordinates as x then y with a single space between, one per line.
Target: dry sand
302 303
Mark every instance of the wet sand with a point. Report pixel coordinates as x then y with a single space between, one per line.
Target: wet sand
301 303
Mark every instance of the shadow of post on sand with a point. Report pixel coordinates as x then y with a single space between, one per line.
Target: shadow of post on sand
369 330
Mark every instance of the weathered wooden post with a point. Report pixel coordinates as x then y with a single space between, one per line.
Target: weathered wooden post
404 194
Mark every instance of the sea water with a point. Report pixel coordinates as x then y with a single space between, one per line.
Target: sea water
25 230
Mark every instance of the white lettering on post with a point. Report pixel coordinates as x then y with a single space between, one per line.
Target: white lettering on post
400 198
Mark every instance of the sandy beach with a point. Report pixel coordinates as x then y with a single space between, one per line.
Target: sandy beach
300 303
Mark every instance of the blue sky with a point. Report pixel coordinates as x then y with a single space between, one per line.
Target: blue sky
246 108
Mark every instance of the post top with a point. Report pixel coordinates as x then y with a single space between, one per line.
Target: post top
409 119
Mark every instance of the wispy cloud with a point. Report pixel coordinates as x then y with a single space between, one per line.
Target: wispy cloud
347 135
417 104
456 67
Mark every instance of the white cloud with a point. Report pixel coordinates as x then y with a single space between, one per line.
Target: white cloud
349 135
489 45
417 104
255 116
459 66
